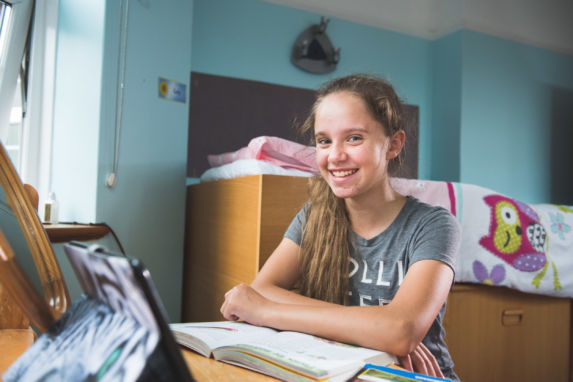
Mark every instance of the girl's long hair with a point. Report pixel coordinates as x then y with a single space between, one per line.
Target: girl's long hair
326 234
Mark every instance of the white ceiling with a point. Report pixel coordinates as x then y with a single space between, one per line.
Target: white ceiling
544 23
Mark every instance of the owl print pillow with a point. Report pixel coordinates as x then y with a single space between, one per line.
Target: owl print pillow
510 243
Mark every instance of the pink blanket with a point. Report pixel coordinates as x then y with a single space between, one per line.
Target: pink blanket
278 151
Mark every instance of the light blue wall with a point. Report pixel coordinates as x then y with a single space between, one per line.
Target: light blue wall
147 207
76 108
506 114
252 39
446 107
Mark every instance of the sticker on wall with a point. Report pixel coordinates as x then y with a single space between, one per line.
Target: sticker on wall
172 90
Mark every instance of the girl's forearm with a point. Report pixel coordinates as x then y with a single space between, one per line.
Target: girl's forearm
375 327
392 328
285 296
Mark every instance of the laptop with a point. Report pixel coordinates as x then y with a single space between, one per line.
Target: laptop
125 285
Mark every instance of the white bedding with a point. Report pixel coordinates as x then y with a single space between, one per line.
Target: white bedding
244 167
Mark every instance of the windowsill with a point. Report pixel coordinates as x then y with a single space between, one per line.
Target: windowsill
62 233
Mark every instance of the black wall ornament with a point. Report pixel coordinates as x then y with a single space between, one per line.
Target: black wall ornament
313 52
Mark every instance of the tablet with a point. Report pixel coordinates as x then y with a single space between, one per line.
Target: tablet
125 286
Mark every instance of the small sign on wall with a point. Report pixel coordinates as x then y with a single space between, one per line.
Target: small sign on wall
172 90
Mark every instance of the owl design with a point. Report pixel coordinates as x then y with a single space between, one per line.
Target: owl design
515 234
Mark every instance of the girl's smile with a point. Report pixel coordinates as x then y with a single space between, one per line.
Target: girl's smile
343 173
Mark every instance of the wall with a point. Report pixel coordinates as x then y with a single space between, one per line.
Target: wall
446 107
146 207
76 108
252 39
508 110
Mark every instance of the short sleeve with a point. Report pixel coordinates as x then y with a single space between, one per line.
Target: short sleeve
294 230
438 237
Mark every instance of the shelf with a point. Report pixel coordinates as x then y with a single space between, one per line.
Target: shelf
62 233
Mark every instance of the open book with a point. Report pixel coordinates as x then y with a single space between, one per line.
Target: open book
290 356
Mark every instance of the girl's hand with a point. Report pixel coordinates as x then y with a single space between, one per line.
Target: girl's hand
244 303
421 361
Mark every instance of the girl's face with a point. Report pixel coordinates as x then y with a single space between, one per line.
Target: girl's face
352 150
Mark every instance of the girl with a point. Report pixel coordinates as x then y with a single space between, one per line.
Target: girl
372 267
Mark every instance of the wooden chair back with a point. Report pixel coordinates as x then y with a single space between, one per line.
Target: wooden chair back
22 292
40 310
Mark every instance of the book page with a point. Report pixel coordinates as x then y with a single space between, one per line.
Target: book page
206 336
308 354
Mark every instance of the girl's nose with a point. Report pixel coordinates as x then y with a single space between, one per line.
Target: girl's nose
337 153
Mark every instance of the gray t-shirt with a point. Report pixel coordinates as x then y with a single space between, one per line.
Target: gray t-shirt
378 265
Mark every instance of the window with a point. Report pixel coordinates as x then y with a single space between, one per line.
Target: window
14 25
13 141
4 17
27 86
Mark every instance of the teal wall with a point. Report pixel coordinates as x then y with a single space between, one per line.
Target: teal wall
496 116
506 113
446 107
146 208
76 108
252 39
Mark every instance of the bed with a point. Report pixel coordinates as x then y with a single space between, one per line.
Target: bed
505 242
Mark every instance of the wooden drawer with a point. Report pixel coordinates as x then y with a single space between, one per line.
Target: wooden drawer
499 334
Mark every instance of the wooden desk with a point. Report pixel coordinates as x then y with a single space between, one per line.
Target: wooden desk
13 342
206 369
63 233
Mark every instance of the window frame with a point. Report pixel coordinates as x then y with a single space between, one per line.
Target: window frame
37 129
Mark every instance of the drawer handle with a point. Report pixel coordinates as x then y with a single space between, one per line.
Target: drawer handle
511 317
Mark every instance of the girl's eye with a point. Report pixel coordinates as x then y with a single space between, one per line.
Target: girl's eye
322 141
354 138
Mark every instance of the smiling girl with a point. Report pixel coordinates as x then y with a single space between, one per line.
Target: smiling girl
370 266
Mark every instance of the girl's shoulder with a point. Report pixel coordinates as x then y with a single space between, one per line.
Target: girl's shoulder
426 213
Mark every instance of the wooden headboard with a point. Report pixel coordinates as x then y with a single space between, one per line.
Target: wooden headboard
226 113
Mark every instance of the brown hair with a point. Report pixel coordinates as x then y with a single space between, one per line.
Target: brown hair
326 234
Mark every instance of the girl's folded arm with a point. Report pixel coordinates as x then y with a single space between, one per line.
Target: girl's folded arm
396 328
277 278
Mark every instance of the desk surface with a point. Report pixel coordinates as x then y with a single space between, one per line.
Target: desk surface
13 342
206 369
203 369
